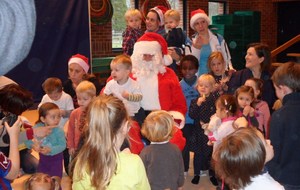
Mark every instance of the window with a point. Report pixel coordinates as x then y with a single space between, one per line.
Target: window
216 8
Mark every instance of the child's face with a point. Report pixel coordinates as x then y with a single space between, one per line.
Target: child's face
220 111
217 67
52 117
83 99
244 99
171 23
119 73
188 70
204 87
55 95
134 22
268 147
252 84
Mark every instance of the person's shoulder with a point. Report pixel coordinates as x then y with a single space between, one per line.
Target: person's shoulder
128 156
264 181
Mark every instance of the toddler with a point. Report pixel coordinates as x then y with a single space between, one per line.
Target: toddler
189 68
162 159
240 160
245 97
51 147
133 30
123 87
201 109
55 94
41 181
262 111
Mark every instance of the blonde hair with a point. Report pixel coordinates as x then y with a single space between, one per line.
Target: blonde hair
86 87
133 13
173 14
208 78
123 60
158 126
51 85
98 156
215 55
41 181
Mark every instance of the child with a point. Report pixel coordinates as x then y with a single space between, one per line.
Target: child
201 109
240 160
41 181
162 160
176 38
55 94
123 87
217 68
245 97
85 92
262 111
133 30
284 127
51 147
100 164
189 68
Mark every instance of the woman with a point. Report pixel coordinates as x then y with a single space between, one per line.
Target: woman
258 62
155 20
78 68
205 42
100 164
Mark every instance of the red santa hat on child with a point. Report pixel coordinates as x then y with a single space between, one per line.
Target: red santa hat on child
160 10
196 14
81 60
153 44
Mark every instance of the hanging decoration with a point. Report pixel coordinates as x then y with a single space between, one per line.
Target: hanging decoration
145 7
103 14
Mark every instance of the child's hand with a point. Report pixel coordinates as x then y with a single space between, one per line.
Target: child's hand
248 111
71 151
45 150
36 147
125 94
200 100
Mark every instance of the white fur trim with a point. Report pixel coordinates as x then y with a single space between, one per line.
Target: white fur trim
168 60
80 62
160 14
178 115
147 47
197 16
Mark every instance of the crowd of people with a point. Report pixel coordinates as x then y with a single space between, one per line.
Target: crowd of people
168 95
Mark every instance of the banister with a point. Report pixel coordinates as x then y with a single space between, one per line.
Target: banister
285 45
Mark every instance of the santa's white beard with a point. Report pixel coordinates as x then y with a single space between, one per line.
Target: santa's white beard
143 68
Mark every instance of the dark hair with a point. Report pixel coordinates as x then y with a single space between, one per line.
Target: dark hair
288 74
190 58
45 107
262 50
51 85
229 103
15 99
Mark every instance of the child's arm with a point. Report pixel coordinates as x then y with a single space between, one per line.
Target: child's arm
132 97
71 132
58 142
14 154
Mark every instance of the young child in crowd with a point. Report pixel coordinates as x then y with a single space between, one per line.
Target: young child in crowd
85 92
41 181
175 37
262 111
284 127
123 87
217 68
51 147
133 30
245 97
201 109
100 164
162 159
189 68
240 160
55 94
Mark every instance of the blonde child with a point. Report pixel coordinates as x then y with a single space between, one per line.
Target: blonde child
41 181
162 159
133 30
51 147
123 87
217 68
245 97
201 109
262 111
240 160
85 92
100 164
55 94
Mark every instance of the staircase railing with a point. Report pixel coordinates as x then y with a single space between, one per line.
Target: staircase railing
285 46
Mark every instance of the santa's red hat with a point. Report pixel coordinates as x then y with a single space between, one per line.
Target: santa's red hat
196 14
160 10
81 60
153 44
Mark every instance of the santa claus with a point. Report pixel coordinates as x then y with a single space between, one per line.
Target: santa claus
159 84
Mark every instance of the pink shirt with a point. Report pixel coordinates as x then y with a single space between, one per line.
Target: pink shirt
74 132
